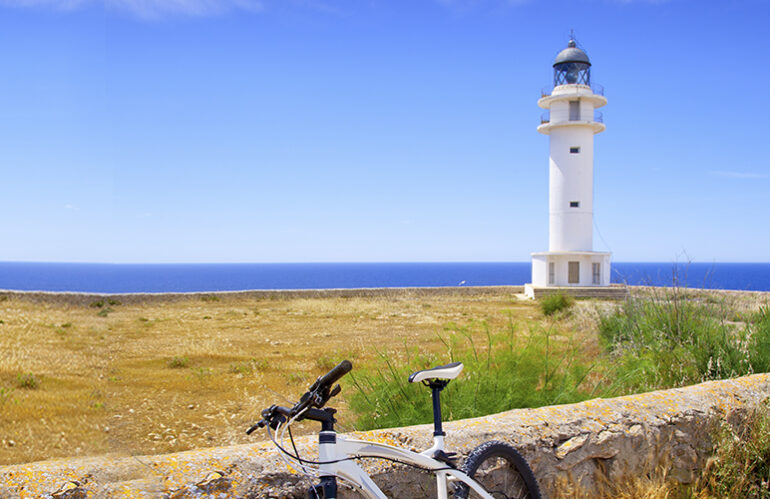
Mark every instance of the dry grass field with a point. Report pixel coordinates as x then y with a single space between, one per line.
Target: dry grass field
101 375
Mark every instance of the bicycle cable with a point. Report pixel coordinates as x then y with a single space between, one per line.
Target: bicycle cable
351 458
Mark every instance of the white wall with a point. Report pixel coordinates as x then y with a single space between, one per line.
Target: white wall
539 270
561 262
571 179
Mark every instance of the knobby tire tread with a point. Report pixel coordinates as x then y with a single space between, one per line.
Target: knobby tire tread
496 448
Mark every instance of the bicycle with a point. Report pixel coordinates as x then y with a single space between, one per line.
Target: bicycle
492 470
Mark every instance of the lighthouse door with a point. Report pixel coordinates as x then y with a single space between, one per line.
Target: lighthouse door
573 276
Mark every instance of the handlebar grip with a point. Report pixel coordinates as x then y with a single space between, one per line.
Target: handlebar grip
332 376
284 411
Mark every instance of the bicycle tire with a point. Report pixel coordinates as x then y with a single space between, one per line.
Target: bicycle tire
501 470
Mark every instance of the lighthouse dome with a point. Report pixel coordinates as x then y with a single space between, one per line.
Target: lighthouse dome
572 54
571 67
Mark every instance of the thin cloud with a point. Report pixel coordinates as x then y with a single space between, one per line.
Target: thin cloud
741 175
147 9
156 9
46 4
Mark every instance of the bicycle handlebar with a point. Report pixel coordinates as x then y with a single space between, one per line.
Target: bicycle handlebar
328 379
319 393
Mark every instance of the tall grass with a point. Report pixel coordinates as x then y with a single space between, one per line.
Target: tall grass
666 339
671 339
502 370
741 465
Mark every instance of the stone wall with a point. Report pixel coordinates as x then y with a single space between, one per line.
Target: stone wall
85 299
569 447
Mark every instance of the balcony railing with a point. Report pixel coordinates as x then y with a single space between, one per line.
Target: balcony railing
595 88
546 117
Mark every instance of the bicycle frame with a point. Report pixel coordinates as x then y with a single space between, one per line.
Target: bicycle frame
334 448
338 454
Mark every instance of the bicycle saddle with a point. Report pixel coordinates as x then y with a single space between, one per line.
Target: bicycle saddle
449 371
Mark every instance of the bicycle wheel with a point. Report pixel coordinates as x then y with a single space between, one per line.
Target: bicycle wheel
501 470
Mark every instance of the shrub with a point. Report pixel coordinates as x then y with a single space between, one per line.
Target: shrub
27 381
669 340
178 362
249 366
104 312
554 303
203 373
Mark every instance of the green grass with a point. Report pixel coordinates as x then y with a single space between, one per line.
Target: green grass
667 339
509 369
670 340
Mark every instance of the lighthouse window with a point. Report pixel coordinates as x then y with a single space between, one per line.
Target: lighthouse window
551 273
574 204
574 150
597 273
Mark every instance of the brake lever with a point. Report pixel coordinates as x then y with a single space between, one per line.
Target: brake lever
270 417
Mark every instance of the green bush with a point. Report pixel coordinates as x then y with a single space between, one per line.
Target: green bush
178 362
104 312
670 340
554 303
27 381
506 371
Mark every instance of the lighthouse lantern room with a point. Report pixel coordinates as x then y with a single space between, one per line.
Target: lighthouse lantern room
571 123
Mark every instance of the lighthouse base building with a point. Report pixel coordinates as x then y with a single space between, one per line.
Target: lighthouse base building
571 121
570 268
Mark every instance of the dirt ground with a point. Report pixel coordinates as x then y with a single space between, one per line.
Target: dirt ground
87 375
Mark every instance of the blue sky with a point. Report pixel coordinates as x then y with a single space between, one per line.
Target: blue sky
305 131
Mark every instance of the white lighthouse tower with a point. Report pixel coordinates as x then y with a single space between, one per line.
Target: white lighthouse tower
571 124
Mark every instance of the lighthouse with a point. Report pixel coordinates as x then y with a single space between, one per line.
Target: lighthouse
570 121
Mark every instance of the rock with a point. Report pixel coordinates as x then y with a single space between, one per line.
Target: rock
71 490
571 445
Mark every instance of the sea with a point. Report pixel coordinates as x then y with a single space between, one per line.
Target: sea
175 278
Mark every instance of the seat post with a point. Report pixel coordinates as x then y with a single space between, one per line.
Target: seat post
436 385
